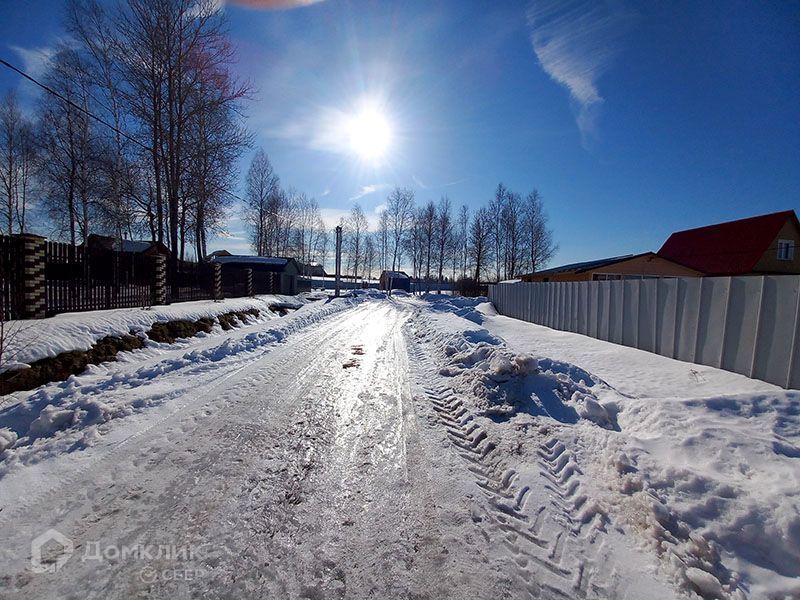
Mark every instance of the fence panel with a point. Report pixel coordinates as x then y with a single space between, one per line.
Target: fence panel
776 328
9 266
235 280
646 321
666 313
80 279
687 318
741 324
630 313
191 281
711 323
749 325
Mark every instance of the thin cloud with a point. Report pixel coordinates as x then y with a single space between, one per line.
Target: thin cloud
35 61
576 43
333 216
274 4
419 182
366 190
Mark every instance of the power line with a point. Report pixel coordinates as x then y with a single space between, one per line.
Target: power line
76 106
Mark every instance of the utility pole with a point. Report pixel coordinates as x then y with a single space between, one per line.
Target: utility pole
338 258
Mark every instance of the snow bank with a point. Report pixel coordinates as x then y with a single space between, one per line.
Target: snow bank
63 416
722 481
701 466
504 382
43 338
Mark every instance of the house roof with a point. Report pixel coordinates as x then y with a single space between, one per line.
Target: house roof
730 248
222 252
589 265
275 264
135 245
254 260
140 246
395 274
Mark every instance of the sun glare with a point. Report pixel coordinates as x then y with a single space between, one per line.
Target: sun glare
370 134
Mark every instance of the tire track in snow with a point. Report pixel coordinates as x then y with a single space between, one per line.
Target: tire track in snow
537 537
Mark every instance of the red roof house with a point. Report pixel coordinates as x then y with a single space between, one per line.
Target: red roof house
767 244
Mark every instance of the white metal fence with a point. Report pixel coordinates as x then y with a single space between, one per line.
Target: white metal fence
748 325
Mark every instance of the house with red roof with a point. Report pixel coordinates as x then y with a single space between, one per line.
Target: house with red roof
763 245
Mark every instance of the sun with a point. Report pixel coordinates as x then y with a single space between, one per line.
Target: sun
370 134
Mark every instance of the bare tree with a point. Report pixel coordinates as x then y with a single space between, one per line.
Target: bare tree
261 187
463 237
414 242
512 235
538 237
480 237
383 240
177 64
17 159
427 223
370 257
444 235
495 214
400 214
69 147
356 230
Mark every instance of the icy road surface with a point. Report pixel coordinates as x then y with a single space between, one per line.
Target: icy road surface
361 448
297 473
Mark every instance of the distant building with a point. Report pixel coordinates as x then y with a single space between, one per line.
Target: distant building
314 270
145 247
395 280
271 274
761 245
633 266
216 253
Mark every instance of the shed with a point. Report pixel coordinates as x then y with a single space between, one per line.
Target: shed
395 280
271 274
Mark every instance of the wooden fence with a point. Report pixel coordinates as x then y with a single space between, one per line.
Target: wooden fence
79 278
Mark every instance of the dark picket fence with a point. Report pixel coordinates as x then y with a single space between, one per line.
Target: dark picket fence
41 278
191 281
265 282
79 278
236 281
9 265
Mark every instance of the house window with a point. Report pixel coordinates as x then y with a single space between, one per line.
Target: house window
606 276
785 250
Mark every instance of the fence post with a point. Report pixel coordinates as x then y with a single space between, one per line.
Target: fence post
248 279
216 280
158 285
32 295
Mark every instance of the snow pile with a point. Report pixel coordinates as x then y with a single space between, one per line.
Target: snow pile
721 479
700 466
504 383
472 309
43 338
62 416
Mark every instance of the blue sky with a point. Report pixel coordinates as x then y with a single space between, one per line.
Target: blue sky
632 119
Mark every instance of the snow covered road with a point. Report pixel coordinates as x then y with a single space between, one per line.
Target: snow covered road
294 472
359 448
